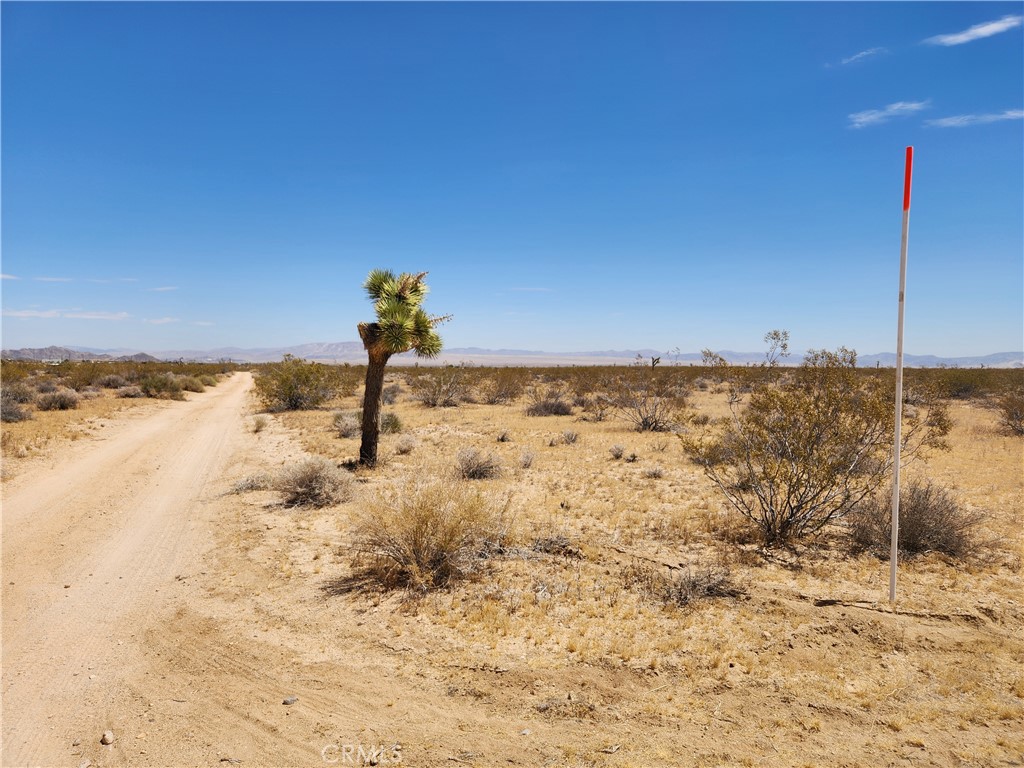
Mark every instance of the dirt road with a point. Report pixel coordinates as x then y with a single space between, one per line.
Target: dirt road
92 544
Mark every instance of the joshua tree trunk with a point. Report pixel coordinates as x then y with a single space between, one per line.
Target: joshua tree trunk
371 407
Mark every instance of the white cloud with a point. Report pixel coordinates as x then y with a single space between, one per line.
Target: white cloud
164 320
31 313
52 279
962 121
203 322
879 116
864 55
978 31
97 315
164 288
9 277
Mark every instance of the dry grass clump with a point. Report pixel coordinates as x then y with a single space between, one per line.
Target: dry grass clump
405 445
681 587
130 392
617 451
551 400
314 482
259 423
18 392
526 459
424 535
347 424
61 400
1011 411
931 520
473 464
191 384
261 481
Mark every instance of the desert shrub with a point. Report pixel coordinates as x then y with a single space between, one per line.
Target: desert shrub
191 384
390 424
649 399
347 424
653 473
46 386
12 407
62 400
597 406
426 535
548 400
559 544
504 436
631 458
1011 411
569 437
17 392
130 392
161 385
931 520
208 380
526 459
502 386
679 587
261 481
473 464
112 381
616 451
405 445
809 447
442 387
314 482
389 395
259 423
295 385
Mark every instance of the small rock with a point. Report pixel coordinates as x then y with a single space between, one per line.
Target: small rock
67 586
85 764
290 700
525 732
107 737
76 742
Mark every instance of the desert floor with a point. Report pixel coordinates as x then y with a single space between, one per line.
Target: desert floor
144 593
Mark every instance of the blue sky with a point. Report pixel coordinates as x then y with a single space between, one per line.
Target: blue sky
574 176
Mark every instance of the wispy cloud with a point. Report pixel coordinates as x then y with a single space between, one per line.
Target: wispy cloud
962 121
9 277
164 288
879 116
53 279
31 313
202 322
864 54
978 31
97 315
164 320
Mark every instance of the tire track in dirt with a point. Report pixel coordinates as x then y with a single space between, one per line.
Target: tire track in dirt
91 548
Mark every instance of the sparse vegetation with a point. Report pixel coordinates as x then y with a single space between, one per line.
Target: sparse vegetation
390 424
61 400
427 535
549 400
442 387
1011 411
680 586
259 423
616 451
405 445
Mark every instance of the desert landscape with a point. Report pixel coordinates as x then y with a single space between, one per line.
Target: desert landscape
172 588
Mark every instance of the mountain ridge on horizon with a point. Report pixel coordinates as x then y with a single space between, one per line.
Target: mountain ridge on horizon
353 352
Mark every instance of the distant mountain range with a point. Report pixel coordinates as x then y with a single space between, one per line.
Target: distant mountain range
353 352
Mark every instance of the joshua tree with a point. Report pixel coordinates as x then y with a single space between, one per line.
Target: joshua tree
401 326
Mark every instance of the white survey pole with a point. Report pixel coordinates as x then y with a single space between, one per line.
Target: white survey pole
894 542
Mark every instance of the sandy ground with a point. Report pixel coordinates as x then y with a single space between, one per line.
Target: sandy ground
142 596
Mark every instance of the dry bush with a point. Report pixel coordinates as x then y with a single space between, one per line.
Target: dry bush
259 424
314 482
130 392
191 384
931 520
425 535
1011 411
46 386
504 436
347 424
11 408
389 395
261 481
502 386
473 464
390 424
405 445
111 381
616 451
649 399
62 400
17 392
443 387
549 400
653 473
569 437
680 587
162 385
526 459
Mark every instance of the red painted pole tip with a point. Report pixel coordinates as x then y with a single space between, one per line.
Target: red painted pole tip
906 179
